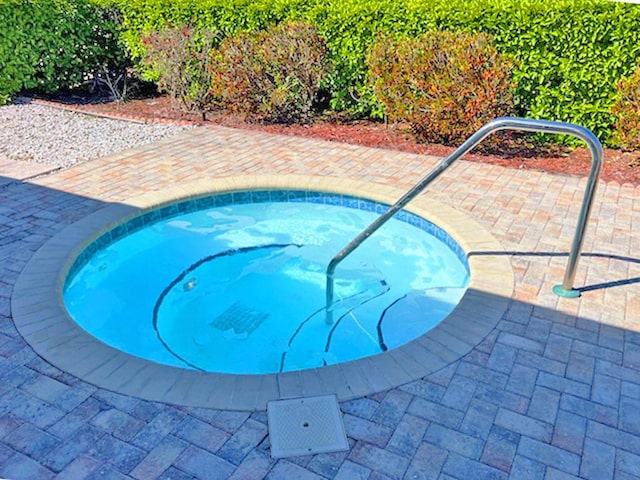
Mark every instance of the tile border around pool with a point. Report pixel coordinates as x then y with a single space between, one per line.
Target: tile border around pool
41 318
151 217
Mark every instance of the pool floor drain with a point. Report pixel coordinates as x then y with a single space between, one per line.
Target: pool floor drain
304 426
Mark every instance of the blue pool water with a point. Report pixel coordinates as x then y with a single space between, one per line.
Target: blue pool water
239 285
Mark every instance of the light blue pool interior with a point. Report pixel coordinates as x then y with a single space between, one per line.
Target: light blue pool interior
235 283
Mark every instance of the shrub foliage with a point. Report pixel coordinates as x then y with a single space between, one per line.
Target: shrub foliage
181 59
570 53
142 17
54 44
627 111
446 85
273 75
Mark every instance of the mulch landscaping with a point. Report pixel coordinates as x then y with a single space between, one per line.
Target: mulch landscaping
621 167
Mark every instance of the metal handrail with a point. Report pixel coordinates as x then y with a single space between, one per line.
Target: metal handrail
504 123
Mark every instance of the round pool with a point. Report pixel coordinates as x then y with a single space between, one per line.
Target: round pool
235 283
210 276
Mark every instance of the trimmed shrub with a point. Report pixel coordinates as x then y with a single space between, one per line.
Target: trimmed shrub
627 111
181 61
445 85
49 45
273 76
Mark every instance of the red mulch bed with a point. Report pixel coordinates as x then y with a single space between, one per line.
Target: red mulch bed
621 167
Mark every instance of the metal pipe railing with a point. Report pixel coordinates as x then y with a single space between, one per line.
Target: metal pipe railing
505 123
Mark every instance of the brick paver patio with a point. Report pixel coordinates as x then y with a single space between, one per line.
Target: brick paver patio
552 393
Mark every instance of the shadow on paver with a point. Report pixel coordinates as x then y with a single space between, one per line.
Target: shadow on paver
586 288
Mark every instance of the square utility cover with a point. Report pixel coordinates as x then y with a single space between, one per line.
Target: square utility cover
303 426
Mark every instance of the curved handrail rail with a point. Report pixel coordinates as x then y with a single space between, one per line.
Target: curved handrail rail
504 123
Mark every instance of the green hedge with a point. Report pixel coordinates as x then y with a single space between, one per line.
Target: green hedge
222 17
52 44
571 53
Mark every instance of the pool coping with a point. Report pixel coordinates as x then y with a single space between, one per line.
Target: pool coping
41 318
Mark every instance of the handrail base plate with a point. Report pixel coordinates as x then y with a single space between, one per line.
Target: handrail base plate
561 292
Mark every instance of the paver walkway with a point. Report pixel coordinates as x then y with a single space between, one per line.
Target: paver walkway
552 393
12 171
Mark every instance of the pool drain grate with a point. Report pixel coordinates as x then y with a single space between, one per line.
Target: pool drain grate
303 426
239 318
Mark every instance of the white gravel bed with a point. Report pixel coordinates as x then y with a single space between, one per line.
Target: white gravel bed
48 135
